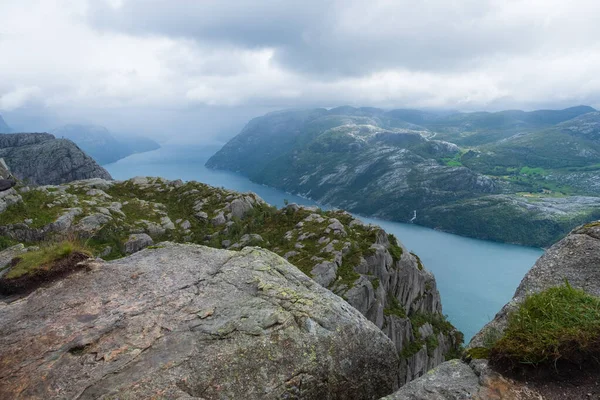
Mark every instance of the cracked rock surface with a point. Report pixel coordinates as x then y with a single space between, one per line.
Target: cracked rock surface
188 321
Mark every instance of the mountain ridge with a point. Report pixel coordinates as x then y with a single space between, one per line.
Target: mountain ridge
369 162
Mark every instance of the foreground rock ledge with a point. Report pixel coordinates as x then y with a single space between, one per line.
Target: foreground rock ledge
185 321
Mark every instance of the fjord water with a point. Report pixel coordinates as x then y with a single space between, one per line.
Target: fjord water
475 277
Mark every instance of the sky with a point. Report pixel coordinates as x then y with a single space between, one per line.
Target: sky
200 69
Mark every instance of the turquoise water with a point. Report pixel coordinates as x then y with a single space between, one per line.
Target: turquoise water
475 277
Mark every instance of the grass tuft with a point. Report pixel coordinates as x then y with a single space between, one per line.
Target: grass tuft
560 324
33 261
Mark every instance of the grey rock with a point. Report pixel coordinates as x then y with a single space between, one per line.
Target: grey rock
240 207
324 273
8 198
236 325
65 221
153 229
166 223
218 220
452 380
337 227
290 254
201 215
248 239
456 380
41 159
92 223
185 224
137 242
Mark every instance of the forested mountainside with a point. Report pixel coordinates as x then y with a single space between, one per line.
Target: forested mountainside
512 176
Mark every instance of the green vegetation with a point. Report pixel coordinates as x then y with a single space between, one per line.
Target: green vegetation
6 242
558 325
32 262
35 206
419 263
412 348
394 308
395 249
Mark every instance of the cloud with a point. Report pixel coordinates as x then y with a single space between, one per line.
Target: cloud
92 59
18 97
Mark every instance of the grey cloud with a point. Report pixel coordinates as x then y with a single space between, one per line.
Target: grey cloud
338 37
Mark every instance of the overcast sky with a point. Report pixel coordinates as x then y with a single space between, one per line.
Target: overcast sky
203 67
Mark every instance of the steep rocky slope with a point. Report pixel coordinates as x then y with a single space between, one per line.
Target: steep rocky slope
575 259
375 163
188 321
361 263
40 158
101 144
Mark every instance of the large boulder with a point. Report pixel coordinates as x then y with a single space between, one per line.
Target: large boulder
183 321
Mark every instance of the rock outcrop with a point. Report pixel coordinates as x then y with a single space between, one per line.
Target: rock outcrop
457 380
370 269
40 159
575 259
188 321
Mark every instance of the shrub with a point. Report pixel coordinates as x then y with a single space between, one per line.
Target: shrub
558 325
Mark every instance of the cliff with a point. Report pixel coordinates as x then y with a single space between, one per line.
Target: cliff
361 263
187 321
576 260
41 159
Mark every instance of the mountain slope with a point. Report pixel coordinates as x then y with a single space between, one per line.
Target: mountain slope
99 143
372 162
361 263
40 158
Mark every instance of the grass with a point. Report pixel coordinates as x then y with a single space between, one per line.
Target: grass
560 324
34 206
34 261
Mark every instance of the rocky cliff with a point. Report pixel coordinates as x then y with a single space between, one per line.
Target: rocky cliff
361 263
188 321
576 260
383 164
41 159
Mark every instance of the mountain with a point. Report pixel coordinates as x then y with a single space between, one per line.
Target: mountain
530 187
41 159
3 127
361 263
99 143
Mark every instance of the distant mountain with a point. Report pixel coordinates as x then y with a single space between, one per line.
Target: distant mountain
41 159
4 128
512 176
99 143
